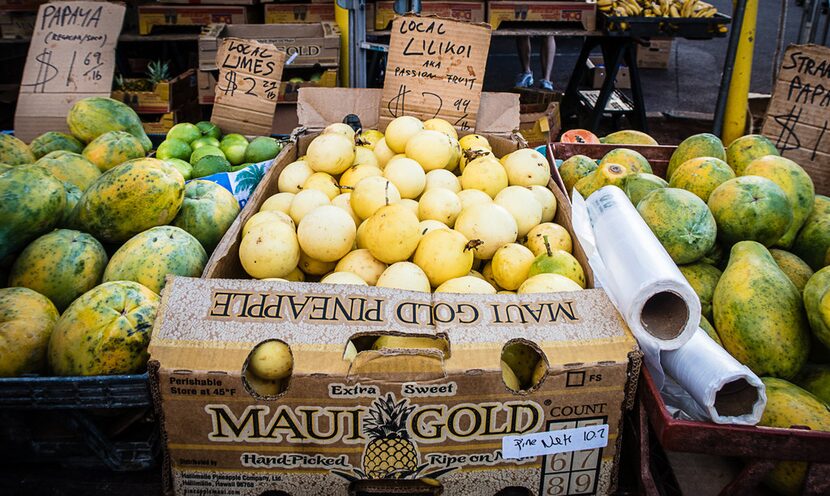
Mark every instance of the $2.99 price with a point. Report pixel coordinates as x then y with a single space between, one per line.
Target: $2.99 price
235 84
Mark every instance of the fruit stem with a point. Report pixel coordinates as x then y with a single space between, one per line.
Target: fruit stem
547 245
472 245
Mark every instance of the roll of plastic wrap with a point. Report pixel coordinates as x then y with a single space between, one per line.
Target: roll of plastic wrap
654 298
727 390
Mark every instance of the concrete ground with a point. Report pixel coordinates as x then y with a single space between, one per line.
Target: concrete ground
692 80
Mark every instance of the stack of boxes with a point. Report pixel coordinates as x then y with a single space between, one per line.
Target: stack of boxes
298 11
167 103
184 15
17 18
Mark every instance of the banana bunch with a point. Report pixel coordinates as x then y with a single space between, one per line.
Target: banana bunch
657 8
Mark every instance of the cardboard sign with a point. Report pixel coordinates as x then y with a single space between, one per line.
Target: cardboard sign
72 56
435 69
247 87
798 117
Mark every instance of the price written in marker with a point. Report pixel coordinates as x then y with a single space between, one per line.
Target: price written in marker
435 69
248 86
560 441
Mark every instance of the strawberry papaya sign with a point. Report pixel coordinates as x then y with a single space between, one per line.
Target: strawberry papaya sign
341 421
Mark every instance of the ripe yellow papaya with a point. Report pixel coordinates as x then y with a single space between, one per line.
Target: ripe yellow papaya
747 148
750 208
795 268
699 145
606 175
574 169
701 176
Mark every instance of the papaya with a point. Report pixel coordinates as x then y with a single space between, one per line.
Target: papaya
795 268
699 145
27 319
788 405
52 141
32 202
638 185
750 208
61 265
827 257
70 167
104 331
759 315
207 212
796 184
73 196
815 378
813 241
681 222
606 175
631 160
817 305
701 176
575 168
91 117
113 148
703 278
4 168
629 137
715 257
131 198
148 257
745 149
582 136
14 151
710 330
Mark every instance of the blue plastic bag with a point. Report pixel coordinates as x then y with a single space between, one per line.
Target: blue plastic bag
241 183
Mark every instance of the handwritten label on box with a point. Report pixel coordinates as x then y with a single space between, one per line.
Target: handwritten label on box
551 442
71 56
435 69
247 87
798 117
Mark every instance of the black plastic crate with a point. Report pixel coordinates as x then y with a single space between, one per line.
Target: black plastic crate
62 393
695 28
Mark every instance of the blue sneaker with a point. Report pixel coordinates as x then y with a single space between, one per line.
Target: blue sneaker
524 80
546 85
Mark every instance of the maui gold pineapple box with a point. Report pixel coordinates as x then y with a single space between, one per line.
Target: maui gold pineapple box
410 421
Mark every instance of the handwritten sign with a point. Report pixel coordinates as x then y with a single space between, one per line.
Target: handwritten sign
551 442
435 69
798 118
247 86
72 56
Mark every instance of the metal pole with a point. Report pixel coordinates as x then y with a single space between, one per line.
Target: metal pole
734 120
729 65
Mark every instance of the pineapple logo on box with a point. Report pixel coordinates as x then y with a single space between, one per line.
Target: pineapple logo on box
392 430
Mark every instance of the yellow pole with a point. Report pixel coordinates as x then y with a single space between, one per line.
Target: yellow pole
341 16
734 123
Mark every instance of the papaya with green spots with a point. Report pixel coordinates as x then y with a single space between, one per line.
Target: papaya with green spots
575 168
710 330
104 331
70 167
817 305
91 117
52 141
750 208
61 265
795 183
788 405
148 257
113 148
681 222
703 278
26 322
607 174
759 314
628 137
32 202
130 198
796 269
14 151
812 243
745 149
815 378
632 160
699 145
701 176
640 184
207 212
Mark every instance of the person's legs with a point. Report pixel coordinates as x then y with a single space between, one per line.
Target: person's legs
525 78
548 54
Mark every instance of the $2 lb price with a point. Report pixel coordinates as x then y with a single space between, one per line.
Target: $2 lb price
234 84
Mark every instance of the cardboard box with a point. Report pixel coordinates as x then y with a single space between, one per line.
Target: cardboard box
166 97
212 2
314 44
462 11
292 13
285 119
656 55
583 13
150 16
16 24
206 86
287 91
161 123
537 127
597 74
312 439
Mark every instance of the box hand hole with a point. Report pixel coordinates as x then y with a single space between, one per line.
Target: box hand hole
267 370
390 343
523 365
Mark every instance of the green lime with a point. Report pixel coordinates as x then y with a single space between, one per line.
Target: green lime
209 129
234 151
240 167
204 151
185 131
204 140
234 138
296 80
210 164
173 148
261 149
185 168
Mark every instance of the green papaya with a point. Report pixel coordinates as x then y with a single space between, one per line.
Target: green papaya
32 202
710 330
813 241
681 222
817 304
699 145
574 169
816 379
638 185
750 208
703 278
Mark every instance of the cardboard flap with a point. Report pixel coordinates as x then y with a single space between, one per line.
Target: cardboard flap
398 365
319 107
